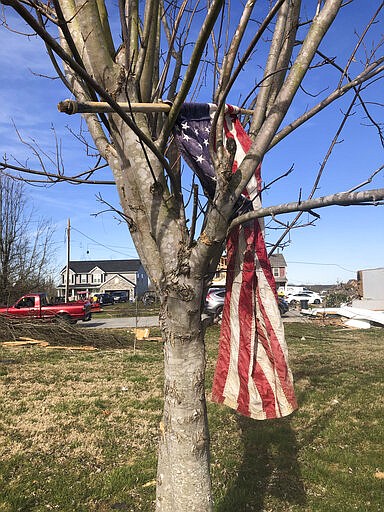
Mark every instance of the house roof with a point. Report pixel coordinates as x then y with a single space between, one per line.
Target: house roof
115 266
277 260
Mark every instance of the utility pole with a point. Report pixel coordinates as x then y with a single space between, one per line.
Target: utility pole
68 259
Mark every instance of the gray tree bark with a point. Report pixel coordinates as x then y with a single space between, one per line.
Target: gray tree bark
183 478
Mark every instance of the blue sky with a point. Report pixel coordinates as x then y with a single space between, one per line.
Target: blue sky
343 241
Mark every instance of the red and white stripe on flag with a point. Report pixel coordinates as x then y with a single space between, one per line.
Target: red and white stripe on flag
252 374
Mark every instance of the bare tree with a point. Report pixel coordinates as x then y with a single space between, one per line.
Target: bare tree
172 50
25 244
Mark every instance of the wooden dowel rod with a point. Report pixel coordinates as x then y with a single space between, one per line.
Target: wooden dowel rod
97 107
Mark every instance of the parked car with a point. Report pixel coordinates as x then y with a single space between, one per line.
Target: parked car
120 296
214 303
104 299
311 297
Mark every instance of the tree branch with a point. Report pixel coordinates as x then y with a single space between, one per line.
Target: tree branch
373 70
248 52
56 178
279 36
371 197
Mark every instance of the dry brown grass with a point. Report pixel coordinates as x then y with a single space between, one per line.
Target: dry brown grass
79 430
77 416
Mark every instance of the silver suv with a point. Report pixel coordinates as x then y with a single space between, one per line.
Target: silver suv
214 303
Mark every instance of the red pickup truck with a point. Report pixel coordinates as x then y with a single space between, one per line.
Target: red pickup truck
36 305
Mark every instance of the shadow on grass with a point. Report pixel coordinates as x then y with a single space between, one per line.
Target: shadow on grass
269 468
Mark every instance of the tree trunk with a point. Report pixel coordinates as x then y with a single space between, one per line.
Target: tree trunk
183 479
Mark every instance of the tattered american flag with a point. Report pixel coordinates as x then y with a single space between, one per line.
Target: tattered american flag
252 374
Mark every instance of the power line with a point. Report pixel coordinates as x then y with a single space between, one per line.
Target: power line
99 243
323 264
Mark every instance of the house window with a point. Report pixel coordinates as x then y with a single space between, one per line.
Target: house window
83 278
276 272
97 278
64 278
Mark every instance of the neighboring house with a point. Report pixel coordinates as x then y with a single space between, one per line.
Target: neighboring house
370 283
278 264
221 272
104 276
279 270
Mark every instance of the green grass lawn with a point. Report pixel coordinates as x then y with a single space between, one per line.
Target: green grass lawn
78 430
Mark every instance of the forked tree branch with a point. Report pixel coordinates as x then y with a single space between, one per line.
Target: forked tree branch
370 72
321 170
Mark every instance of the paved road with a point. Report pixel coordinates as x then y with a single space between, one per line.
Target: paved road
153 321
117 323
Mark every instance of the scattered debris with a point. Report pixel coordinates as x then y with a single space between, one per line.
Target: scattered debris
78 347
25 343
151 483
143 334
357 324
33 340
358 318
30 342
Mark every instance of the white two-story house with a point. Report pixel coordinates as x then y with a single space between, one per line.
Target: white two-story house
104 276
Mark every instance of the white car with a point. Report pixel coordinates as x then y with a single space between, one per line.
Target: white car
311 297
